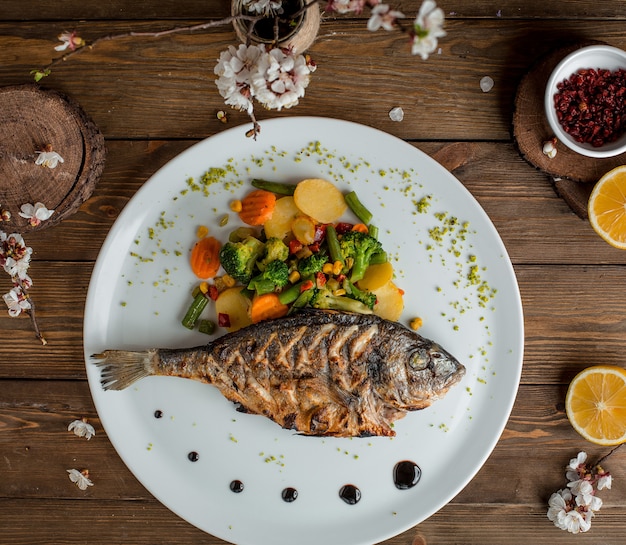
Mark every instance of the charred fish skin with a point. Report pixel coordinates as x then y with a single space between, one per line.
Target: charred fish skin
316 372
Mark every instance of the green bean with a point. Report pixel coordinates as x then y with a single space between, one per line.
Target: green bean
333 244
358 208
290 294
372 231
206 326
274 187
195 309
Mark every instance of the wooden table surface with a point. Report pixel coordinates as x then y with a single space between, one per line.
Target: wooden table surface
153 98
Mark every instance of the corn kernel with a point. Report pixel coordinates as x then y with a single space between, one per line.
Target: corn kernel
204 287
202 231
228 280
337 267
416 323
294 276
327 268
339 292
236 206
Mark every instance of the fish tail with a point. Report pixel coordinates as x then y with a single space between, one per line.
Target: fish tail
121 368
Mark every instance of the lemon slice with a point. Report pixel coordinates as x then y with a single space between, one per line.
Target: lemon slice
607 207
596 404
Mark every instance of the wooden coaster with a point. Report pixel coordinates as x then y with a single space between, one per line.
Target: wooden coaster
573 175
31 119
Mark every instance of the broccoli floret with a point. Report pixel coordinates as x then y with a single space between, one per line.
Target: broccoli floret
239 258
324 299
275 250
359 247
365 297
275 275
312 264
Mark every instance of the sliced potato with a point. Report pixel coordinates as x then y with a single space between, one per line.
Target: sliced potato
376 276
320 199
389 302
279 225
236 306
303 228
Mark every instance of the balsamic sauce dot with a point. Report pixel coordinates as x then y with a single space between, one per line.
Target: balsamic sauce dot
350 494
236 486
158 414
193 456
406 474
289 494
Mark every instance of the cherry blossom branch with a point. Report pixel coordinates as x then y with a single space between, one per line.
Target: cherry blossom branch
88 46
601 460
33 321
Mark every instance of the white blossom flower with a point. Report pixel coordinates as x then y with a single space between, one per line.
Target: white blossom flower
427 28
280 78
549 148
69 41
48 159
564 516
80 478
605 481
36 213
585 494
486 84
82 428
396 114
264 7
346 6
383 16
17 301
576 467
18 268
233 71
13 249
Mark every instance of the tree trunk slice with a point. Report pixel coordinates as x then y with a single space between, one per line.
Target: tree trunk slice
573 175
32 118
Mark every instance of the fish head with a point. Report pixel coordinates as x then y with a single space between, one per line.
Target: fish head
423 371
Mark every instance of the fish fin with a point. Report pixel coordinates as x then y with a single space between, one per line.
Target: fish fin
121 368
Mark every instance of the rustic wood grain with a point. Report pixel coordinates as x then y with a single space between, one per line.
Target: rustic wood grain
153 98
154 107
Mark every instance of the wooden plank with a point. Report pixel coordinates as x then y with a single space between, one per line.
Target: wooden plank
48 10
132 87
66 522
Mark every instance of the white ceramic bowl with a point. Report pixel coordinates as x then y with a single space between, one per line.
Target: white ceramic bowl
597 57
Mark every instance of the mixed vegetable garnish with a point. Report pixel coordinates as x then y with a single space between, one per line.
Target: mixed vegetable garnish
293 253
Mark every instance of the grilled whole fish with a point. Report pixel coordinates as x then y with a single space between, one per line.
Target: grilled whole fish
316 372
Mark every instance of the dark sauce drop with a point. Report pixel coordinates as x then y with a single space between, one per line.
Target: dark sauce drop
236 486
193 456
406 474
158 414
350 494
289 494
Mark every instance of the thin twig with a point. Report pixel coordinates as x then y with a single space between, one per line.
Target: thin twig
151 34
33 320
609 454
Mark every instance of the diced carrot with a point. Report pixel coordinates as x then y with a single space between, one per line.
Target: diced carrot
257 207
205 257
361 228
267 306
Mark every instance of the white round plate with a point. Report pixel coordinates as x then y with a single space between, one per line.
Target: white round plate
455 273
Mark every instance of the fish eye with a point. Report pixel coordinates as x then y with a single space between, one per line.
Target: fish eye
418 360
